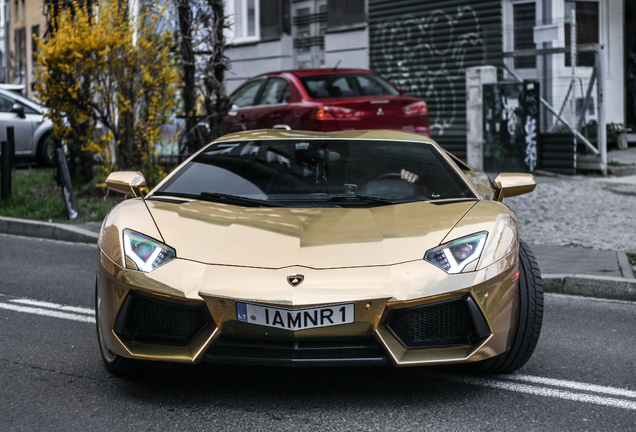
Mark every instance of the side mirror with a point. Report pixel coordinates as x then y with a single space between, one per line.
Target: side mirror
18 109
513 184
127 182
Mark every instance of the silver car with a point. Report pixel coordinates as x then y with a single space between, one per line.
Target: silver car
32 131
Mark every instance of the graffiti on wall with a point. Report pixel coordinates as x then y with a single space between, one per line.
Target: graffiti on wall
427 57
511 125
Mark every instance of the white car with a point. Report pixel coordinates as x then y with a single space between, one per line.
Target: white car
31 130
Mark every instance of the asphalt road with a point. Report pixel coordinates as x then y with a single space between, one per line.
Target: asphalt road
51 377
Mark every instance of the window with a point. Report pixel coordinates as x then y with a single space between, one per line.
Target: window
587 29
5 104
276 92
273 18
524 19
246 17
19 73
346 85
293 171
346 14
245 95
35 34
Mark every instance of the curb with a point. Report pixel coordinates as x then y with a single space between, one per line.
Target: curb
606 287
48 230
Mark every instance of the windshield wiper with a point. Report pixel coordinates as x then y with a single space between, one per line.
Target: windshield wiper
358 197
371 198
222 198
227 198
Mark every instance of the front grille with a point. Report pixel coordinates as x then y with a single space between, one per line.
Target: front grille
149 320
297 352
443 324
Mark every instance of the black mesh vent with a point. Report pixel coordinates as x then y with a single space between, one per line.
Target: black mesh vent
443 324
144 319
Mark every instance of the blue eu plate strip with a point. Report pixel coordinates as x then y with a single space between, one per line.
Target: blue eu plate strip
241 311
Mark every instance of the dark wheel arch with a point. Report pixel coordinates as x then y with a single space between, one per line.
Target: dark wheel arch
45 151
529 320
115 364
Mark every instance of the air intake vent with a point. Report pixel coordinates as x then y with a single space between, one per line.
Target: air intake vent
448 323
145 319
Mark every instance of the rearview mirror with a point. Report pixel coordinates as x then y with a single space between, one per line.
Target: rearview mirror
18 109
127 182
513 184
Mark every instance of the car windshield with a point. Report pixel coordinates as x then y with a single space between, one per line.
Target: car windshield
24 100
317 173
347 85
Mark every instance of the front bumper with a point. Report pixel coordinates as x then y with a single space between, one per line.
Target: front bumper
376 291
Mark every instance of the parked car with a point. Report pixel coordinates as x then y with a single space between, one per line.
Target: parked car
303 248
324 100
31 130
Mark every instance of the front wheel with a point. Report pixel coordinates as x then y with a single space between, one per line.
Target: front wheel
529 320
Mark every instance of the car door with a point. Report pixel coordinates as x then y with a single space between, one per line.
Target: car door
242 104
22 127
273 105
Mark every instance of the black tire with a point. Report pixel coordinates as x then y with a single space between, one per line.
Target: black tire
529 320
46 151
115 364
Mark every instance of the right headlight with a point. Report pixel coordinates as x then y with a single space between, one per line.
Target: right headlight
145 254
454 256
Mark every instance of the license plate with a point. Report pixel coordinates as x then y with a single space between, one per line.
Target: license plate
296 319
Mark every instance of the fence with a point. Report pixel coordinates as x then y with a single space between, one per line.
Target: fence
567 60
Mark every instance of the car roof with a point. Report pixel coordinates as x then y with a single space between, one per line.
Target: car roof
377 135
301 73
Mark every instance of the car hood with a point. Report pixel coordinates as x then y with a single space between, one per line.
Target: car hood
317 238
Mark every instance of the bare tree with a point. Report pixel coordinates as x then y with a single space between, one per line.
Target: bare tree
216 99
188 92
201 25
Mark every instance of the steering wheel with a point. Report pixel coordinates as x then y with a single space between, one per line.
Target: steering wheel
387 176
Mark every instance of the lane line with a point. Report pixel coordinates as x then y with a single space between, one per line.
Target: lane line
573 385
50 313
37 303
87 315
548 392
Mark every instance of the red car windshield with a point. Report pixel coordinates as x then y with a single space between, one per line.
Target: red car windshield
347 85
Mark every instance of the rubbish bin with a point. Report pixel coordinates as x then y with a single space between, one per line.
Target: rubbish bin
511 126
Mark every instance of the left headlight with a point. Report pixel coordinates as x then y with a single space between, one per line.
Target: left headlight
145 254
454 256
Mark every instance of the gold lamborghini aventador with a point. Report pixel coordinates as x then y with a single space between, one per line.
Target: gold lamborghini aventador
302 249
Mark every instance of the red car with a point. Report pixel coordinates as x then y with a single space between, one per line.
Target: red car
324 100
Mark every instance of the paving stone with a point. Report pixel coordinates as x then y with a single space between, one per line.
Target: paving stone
577 211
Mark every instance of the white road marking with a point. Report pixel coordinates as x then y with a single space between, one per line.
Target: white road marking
549 392
573 385
76 309
541 389
49 312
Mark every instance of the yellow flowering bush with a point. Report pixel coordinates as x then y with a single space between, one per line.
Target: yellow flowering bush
110 82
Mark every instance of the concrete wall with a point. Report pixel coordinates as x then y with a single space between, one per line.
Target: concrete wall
351 47
614 55
33 15
253 59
